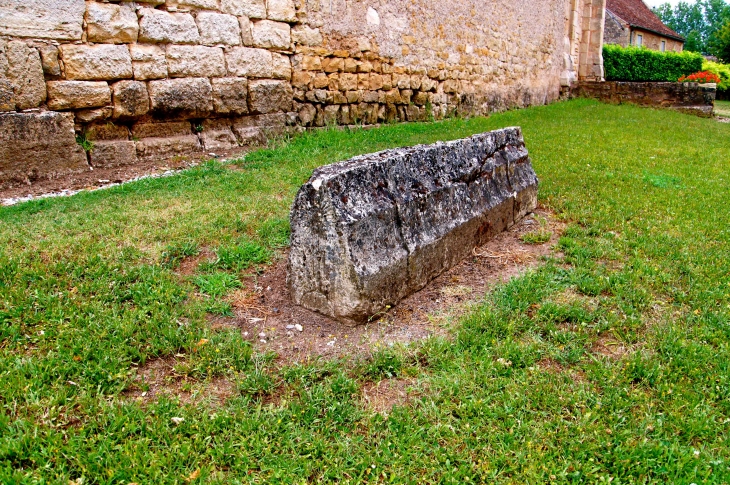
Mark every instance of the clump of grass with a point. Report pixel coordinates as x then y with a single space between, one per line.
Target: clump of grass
86 144
217 284
241 256
663 181
175 253
540 236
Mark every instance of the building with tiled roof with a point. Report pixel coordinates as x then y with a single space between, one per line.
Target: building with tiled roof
631 22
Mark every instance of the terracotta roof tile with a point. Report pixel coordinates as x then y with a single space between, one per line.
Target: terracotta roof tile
637 14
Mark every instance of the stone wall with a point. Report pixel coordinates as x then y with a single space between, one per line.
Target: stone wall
154 79
690 98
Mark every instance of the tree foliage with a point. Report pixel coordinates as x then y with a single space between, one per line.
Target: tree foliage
701 23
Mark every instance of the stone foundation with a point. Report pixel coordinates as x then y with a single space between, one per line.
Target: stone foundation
689 98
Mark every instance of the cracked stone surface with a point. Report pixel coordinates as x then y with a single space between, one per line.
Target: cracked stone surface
372 230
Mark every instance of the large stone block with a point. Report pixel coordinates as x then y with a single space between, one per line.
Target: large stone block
157 26
247 62
42 19
130 99
115 153
230 95
271 35
305 35
165 148
368 232
268 96
217 29
255 9
148 62
162 130
217 135
49 60
186 97
101 62
25 73
195 61
111 23
38 145
281 10
280 66
64 95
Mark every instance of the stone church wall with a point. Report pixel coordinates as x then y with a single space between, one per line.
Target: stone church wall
156 79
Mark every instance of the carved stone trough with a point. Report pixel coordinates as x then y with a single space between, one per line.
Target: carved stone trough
372 230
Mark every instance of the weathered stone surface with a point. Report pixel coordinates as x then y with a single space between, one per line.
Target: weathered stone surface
271 35
111 23
92 115
230 95
101 62
195 61
247 62
267 96
255 9
113 154
166 148
207 4
282 10
217 135
49 60
25 72
106 132
148 62
157 26
280 66
246 27
130 99
161 130
78 94
38 145
217 29
305 35
254 130
370 231
42 19
190 96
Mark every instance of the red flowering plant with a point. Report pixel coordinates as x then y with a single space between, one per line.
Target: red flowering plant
701 77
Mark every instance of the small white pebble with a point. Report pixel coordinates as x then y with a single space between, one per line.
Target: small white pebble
262 341
262 335
176 421
299 328
245 334
290 327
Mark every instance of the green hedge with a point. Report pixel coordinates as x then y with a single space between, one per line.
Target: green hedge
640 64
723 71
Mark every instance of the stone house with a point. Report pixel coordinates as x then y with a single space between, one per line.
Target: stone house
631 22
156 79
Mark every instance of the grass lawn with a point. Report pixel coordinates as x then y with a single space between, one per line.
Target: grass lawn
722 108
610 362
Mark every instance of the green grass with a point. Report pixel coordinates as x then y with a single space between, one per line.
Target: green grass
520 393
722 108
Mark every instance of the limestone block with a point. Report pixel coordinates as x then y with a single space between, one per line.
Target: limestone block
64 95
101 62
42 19
217 29
305 35
267 96
333 64
185 4
38 145
230 95
348 82
306 114
247 62
368 232
113 154
25 73
188 97
106 132
92 115
161 130
49 60
130 99
195 61
157 26
111 23
148 62
301 79
282 10
166 148
255 9
7 93
246 28
249 135
217 135
281 66
271 35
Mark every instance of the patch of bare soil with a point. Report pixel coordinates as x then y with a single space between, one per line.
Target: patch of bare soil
381 397
608 346
157 378
268 318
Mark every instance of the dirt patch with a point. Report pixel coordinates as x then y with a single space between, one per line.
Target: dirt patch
607 346
381 397
552 366
157 378
273 323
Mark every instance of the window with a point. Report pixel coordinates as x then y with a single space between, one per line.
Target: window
664 45
639 40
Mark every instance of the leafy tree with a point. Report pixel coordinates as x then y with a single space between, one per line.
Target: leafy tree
720 45
699 22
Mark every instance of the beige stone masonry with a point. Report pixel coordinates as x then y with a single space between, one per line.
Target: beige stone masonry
271 35
64 95
148 62
111 23
97 62
219 29
157 26
195 61
255 9
60 20
190 97
25 72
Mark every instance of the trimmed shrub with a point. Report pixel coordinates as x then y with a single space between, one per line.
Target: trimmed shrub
641 65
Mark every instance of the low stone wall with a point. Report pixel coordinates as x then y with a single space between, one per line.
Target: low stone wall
370 231
690 98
